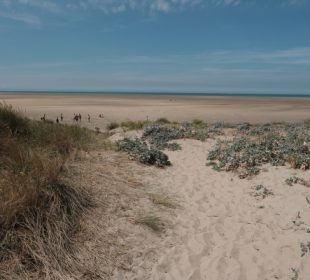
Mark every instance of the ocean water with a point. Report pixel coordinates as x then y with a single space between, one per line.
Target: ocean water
157 93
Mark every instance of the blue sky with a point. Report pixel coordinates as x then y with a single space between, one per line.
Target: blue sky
242 46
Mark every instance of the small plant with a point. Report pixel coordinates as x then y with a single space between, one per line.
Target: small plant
296 180
305 248
112 125
140 151
151 221
295 274
199 123
163 121
164 200
134 125
261 191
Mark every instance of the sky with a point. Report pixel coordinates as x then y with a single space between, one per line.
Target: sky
215 46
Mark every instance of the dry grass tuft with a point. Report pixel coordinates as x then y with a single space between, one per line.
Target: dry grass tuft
39 210
151 221
164 200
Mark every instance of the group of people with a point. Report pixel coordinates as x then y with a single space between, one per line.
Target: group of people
76 118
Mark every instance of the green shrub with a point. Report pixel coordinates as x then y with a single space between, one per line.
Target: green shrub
246 155
140 151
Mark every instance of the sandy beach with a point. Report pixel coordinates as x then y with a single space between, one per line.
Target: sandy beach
219 225
175 108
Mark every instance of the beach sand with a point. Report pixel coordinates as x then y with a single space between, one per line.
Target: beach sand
220 230
174 108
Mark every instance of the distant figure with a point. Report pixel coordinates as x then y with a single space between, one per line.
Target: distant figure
80 117
88 117
61 117
101 116
43 118
76 118
57 120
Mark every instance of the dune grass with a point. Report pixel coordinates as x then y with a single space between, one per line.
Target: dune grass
112 125
134 125
40 210
164 200
151 221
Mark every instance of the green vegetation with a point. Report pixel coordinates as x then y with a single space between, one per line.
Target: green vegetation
261 191
164 200
275 145
199 123
112 125
296 180
151 221
134 125
140 151
162 121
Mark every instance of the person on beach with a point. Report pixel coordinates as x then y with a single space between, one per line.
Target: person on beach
57 120
88 117
61 117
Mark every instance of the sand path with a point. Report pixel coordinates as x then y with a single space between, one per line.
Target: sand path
223 231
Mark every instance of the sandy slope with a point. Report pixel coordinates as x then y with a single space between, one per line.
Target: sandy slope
223 232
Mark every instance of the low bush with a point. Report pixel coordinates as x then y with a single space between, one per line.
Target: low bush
140 151
246 154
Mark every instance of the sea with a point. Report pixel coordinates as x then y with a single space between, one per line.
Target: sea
149 93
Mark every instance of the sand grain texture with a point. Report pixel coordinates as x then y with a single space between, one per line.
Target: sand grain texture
223 232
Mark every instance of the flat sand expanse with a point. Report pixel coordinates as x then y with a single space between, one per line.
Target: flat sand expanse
175 108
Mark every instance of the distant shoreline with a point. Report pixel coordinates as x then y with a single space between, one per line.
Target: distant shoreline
122 107
167 94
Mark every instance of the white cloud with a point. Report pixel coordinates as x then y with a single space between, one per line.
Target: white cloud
30 11
24 18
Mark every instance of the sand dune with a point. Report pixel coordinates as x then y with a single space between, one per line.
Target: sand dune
223 232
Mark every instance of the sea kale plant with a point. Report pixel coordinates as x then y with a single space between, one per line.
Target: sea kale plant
246 154
140 151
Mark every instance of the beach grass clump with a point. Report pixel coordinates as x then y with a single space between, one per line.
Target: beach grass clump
13 120
40 210
164 200
134 125
162 121
246 155
113 125
140 151
197 123
151 221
